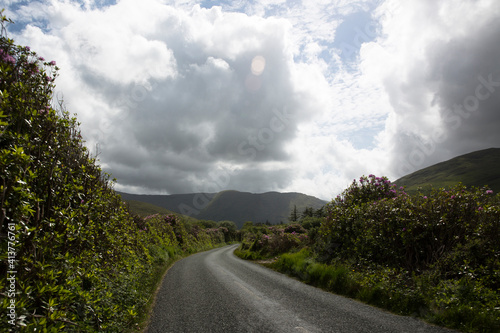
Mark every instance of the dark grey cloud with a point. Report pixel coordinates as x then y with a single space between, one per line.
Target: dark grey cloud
462 74
469 89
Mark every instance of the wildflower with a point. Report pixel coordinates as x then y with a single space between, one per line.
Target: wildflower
41 58
425 197
52 63
489 192
480 209
452 197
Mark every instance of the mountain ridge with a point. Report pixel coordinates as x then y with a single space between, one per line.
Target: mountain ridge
231 205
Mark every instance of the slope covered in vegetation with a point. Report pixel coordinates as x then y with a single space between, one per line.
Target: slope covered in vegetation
436 256
478 168
72 257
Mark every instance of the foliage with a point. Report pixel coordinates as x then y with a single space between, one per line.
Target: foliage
75 259
411 232
268 241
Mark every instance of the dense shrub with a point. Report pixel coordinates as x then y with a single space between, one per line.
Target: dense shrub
412 232
266 241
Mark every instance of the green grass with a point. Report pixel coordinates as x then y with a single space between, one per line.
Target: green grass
396 292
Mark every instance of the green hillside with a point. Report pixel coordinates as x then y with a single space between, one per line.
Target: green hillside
170 202
478 169
144 209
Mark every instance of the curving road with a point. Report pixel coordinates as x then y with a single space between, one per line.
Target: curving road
215 291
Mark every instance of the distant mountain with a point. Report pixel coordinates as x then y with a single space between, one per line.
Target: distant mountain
239 207
479 168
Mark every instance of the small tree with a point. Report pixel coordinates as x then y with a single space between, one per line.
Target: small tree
230 225
247 225
308 212
294 216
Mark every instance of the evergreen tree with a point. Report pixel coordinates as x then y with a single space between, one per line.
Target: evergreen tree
294 216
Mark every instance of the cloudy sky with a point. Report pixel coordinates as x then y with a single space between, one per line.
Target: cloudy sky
291 96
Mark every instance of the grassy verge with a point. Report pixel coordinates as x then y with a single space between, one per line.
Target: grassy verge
463 305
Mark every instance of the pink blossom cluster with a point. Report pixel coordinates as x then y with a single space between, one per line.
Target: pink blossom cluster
7 58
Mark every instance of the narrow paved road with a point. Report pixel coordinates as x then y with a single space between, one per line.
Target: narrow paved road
215 291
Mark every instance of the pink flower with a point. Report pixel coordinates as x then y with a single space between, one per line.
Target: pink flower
44 111
7 57
489 192
52 63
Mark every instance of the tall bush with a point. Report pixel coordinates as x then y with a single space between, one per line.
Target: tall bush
369 225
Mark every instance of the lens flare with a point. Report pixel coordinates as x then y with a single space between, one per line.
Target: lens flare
258 65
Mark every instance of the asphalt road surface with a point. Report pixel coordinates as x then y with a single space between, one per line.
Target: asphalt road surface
215 291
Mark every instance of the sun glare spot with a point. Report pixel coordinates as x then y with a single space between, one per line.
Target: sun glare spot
258 65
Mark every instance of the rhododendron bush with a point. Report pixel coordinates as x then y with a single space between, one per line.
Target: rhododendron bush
374 222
